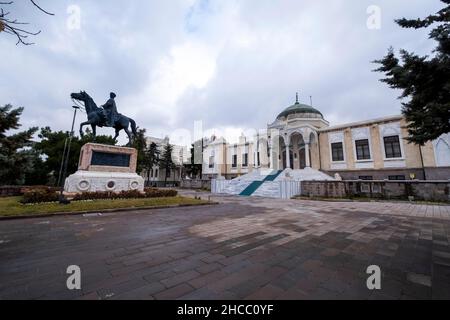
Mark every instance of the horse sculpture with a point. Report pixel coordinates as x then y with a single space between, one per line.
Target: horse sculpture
96 117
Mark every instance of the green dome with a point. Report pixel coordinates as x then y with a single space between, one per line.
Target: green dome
300 108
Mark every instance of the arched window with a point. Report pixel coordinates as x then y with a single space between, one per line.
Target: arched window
212 159
442 151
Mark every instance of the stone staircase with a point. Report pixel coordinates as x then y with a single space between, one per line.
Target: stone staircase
268 189
239 185
255 185
273 175
236 186
307 174
272 183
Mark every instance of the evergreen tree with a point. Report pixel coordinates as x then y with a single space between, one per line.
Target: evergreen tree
139 143
166 161
151 158
425 81
193 169
38 174
51 148
15 155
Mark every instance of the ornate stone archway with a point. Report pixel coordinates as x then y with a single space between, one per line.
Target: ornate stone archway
291 148
300 144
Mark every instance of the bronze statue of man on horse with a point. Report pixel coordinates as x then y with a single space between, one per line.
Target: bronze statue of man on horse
110 110
105 116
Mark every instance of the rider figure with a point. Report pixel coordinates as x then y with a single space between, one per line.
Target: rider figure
110 110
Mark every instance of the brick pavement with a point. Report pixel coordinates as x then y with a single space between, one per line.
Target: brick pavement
243 248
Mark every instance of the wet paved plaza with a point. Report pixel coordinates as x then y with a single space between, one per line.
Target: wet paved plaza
242 248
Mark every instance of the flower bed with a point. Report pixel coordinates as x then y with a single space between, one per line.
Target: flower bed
41 195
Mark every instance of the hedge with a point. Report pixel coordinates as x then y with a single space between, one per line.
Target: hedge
148 193
48 195
38 195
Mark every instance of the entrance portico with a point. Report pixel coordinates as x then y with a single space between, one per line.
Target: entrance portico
292 149
293 137
295 154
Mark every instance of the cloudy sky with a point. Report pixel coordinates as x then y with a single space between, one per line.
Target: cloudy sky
232 64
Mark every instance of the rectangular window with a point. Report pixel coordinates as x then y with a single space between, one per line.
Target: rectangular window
362 149
392 147
234 161
376 188
365 187
259 159
211 162
337 151
397 177
245 160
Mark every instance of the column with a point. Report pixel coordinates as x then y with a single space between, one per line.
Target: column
271 160
308 160
288 157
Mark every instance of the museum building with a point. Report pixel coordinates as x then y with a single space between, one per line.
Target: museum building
301 139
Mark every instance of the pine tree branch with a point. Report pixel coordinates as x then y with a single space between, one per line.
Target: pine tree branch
423 80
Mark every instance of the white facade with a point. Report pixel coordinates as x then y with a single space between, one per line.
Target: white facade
180 156
300 138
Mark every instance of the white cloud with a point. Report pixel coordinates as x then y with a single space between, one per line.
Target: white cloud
232 64
189 65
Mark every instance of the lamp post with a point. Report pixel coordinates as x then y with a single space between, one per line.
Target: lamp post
62 199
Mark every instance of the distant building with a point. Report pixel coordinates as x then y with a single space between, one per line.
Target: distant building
300 138
180 156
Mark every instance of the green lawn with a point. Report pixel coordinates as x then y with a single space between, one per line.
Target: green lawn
12 207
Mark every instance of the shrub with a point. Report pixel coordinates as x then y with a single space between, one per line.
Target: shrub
131 194
48 194
159 193
24 189
39 195
93 196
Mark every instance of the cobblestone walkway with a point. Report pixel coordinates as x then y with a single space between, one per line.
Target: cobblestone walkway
243 248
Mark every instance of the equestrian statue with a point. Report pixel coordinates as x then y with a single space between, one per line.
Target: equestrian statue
105 116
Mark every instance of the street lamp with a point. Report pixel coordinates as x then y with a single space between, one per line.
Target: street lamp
65 161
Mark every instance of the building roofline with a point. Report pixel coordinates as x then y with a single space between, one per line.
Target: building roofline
362 123
282 123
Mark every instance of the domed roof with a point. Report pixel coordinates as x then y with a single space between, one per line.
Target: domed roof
299 108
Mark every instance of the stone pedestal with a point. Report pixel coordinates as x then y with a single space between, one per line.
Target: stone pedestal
105 168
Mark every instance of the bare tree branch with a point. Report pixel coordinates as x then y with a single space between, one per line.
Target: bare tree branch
34 3
10 26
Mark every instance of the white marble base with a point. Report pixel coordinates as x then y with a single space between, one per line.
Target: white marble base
92 181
